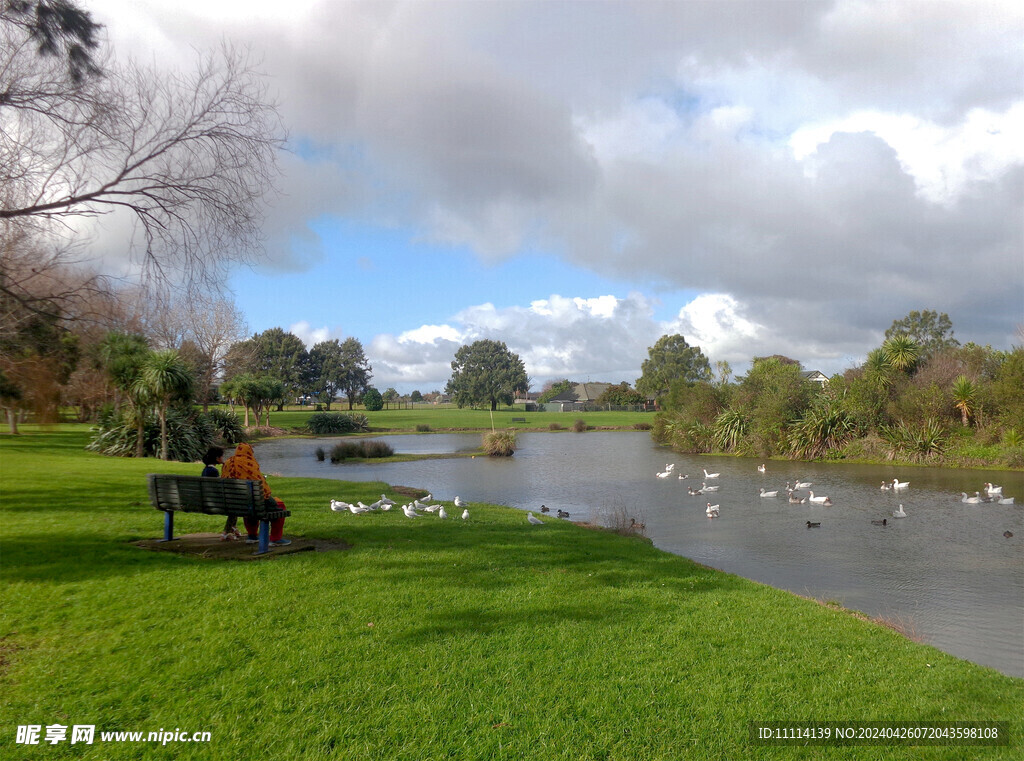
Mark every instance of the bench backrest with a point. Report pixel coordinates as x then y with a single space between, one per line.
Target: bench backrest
213 496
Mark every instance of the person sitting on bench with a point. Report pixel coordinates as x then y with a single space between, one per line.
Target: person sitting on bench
215 456
243 465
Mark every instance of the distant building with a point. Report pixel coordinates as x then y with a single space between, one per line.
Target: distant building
577 399
815 376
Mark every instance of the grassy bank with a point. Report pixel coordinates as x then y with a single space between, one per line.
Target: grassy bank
488 638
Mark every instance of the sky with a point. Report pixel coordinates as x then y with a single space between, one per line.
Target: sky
579 178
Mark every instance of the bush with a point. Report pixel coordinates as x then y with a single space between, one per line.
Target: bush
189 435
327 423
579 426
227 425
372 400
556 427
642 426
499 443
321 455
422 428
360 450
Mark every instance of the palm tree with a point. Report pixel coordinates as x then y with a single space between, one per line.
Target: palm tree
164 379
902 352
964 394
122 355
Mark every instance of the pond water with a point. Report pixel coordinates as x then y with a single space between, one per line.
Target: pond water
946 573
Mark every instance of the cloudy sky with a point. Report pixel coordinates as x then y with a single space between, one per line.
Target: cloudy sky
579 178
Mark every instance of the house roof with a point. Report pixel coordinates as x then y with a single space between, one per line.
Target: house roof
582 392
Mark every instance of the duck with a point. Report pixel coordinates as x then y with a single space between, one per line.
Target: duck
705 487
899 513
1006 501
769 493
883 522
970 500
545 509
803 485
1008 534
991 490
712 510
441 513
710 475
761 468
534 519
886 486
794 500
670 466
465 515
819 500
813 524
897 484
636 526
684 476
562 514
459 502
693 492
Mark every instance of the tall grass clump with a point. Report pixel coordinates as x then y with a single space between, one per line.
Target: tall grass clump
579 426
189 434
360 450
327 423
915 443
422 428
499 443
556 427
226 425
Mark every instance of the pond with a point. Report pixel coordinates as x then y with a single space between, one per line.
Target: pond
946 573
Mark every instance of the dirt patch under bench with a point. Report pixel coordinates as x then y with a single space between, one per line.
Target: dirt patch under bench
210 546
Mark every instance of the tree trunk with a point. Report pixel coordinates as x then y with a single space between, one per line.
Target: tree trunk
12 421
494 404
163 435
139 432
247 416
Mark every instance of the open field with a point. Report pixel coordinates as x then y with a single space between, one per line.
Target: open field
447 418
428 639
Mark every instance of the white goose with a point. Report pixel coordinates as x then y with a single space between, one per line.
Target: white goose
899 513
803 485
897 484
705 487
534 519
760 468
818 500
769 493
1006 501
664 474
712 510
970 500
993 490
710 475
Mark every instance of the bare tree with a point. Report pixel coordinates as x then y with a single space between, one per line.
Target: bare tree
190 157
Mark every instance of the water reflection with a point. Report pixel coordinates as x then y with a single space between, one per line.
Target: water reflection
946 572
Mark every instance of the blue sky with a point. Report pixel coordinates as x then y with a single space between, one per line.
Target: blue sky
579 178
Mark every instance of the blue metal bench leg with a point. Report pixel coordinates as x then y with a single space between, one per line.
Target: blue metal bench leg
168 526
264 545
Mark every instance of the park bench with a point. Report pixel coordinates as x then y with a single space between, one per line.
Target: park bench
213 496
518 420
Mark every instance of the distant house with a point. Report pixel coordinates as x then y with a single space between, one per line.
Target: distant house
815 376
577 399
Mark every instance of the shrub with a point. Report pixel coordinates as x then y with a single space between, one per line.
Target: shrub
227 425
915 443
422 428
321 455
360 450
642 426
189 435
579 426
556 427
326 423
499 443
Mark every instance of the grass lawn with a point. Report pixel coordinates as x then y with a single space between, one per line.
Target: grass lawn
429 639
453 418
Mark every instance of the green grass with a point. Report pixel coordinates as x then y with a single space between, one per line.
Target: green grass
448 418
429 639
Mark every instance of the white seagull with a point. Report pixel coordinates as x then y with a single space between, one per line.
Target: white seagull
385 501
534 519
898 512
465 515
358 509
710 475
410 511
441 513
338 506
459 502
769 493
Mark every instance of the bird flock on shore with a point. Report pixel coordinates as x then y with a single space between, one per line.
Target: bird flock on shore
421 507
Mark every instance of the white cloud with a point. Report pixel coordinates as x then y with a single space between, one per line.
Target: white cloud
311 336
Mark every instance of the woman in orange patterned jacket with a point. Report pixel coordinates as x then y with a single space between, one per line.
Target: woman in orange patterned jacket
243 465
